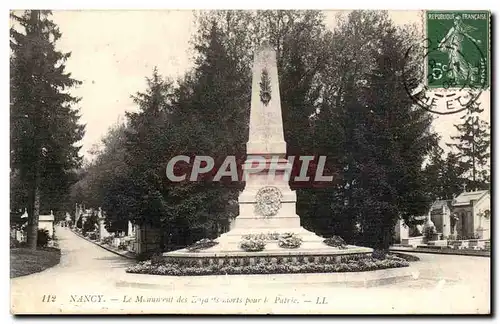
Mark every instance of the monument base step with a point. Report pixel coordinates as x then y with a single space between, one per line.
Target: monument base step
231 240
229 247
281 256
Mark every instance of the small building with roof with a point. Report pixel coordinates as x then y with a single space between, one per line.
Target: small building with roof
471 213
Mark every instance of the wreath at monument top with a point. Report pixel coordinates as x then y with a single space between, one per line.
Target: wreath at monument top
265 87
268 201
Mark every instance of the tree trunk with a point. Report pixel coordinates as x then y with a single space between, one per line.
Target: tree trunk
473 165
32 234
473 158
382 249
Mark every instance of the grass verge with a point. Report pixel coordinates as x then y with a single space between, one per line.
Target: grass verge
24 261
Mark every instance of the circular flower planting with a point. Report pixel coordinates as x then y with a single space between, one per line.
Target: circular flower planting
289 241
335 241
252 245
263 266
201 245
268 201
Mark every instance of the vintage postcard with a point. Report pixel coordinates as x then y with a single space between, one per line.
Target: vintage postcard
250 162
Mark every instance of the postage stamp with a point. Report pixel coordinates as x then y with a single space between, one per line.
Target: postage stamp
452 59
460 49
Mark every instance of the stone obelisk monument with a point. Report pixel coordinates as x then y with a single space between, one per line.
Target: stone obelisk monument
266 123
267 204
267 201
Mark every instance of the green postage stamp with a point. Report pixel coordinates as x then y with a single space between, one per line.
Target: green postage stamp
459 45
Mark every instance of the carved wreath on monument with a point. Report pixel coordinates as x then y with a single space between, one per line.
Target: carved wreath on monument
265 87
268 201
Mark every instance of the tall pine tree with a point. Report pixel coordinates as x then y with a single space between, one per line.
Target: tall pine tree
148 139
44 123
473 148
212 107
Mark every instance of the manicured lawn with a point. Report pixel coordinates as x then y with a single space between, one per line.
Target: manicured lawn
24 261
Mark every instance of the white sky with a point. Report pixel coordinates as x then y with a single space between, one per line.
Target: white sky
113 52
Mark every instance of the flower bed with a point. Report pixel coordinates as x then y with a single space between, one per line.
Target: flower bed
267 266
202 245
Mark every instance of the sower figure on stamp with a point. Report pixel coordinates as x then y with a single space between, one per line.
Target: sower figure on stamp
452 44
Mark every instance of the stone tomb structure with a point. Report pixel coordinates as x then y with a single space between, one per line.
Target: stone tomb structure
472 211
267 204
101 223
46 222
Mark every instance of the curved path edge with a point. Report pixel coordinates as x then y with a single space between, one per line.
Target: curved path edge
486 254
344 279
126 254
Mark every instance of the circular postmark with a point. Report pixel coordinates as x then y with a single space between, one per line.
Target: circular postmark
268 201
448 85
